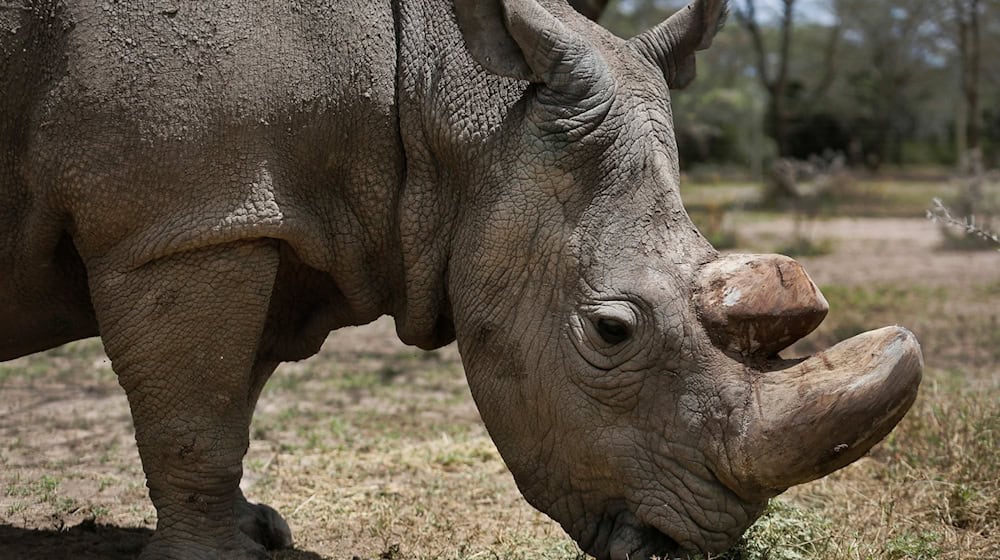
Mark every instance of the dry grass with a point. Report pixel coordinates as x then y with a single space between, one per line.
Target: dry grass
375 451
388 459
930 491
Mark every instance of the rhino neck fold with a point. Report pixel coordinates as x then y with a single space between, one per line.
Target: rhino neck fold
449 109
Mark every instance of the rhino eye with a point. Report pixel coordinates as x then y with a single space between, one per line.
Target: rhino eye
605 332
612 331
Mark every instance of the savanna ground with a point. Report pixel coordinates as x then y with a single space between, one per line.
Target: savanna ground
374 450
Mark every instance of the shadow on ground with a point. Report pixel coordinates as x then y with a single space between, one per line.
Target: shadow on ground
89 541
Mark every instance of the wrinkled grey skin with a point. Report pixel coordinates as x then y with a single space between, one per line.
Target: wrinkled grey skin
213 188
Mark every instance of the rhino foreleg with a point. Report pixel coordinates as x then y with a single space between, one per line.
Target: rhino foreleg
183 333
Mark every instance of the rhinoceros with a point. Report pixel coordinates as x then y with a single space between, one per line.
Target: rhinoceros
212 187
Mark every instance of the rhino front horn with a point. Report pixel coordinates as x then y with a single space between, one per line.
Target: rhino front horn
816 415
757 305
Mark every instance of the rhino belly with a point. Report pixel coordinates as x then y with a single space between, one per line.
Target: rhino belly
44 299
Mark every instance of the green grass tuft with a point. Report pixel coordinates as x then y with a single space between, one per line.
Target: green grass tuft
784 532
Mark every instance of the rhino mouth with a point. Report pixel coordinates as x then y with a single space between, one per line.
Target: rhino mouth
621 536
806 418
657 544
803 419
709 532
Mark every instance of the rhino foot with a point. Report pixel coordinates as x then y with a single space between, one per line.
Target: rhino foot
169 549
263 524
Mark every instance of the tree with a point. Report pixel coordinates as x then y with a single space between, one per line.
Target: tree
590 8
785 96
775 81
895 81
965 17
896 68
627 18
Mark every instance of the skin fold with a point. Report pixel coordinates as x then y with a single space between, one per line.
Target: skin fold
212 188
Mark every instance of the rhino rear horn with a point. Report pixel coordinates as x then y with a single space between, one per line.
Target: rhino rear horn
521 39
671 45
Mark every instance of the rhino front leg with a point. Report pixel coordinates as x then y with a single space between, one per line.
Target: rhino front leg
261 522
182 333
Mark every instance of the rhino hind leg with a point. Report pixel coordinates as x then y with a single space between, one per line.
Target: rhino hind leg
183 334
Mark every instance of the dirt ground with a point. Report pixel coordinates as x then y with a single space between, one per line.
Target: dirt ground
375 450
883 250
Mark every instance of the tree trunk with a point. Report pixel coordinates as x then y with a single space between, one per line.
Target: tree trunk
590 8
969 51
778 114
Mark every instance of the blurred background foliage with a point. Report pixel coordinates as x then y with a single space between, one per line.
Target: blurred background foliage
889 84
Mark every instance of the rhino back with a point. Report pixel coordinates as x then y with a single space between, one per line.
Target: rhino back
150 128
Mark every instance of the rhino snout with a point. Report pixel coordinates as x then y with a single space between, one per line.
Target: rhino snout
805 418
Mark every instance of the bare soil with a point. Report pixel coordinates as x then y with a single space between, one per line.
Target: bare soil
375 450
880 250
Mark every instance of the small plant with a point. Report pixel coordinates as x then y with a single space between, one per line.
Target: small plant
46 485
784 532
805 246
716 227
979 206
913 547
977 232
809 187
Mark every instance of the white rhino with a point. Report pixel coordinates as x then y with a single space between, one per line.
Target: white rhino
212 187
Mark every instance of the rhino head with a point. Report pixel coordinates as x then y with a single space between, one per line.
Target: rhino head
626 371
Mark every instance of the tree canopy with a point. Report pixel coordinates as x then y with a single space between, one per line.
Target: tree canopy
899 82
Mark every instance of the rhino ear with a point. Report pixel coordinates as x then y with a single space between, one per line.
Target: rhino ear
671 45
485 29
521 39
